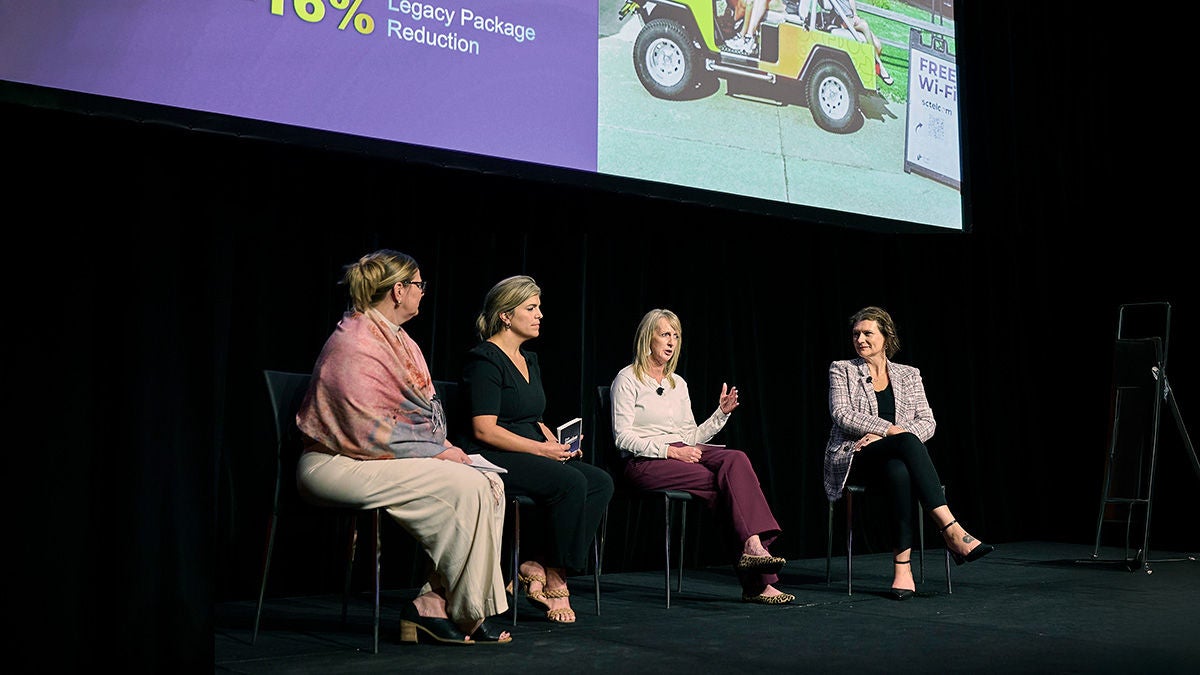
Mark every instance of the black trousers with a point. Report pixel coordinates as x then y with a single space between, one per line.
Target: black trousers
900 465
571 497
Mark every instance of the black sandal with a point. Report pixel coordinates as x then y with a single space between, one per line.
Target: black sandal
443 631
487 633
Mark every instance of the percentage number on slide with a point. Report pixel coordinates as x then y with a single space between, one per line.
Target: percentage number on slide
313 11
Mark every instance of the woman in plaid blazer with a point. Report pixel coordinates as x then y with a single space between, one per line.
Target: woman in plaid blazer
881 421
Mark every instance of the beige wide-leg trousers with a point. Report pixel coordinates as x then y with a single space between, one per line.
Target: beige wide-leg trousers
454 511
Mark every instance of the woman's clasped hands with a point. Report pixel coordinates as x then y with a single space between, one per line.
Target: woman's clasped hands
684 453
559 451
865 441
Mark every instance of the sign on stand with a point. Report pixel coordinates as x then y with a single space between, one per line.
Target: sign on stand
931 139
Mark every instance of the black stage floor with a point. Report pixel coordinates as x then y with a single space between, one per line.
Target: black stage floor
1030 607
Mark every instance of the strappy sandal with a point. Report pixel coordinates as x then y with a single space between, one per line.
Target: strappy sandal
562 614
537 597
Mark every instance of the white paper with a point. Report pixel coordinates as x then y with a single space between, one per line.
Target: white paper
478 462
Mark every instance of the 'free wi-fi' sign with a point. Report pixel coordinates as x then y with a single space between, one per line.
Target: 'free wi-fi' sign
931 139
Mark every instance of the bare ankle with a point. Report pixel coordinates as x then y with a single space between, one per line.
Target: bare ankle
532 568
556 577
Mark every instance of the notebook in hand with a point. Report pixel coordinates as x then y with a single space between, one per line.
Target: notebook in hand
571 433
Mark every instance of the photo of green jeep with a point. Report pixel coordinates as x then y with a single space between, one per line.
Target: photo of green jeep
806 53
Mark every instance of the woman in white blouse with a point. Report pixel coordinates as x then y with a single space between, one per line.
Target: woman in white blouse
663 448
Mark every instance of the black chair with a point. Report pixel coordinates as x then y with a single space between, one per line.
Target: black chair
515 503
668 498
457 420
287 392
848 493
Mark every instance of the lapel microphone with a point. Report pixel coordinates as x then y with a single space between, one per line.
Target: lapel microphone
659 391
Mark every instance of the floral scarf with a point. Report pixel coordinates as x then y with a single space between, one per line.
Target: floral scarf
372 396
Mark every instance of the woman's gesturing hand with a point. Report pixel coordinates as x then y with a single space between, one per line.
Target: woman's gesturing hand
729 399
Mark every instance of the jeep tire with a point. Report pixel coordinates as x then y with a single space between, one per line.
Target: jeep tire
832 98
666 60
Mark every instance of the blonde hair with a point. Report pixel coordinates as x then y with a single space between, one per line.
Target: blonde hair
372 277
504 297
642 340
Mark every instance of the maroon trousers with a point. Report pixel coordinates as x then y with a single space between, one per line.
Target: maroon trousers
726 481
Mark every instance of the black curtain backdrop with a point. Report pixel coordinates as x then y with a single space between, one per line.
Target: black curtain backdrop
163 268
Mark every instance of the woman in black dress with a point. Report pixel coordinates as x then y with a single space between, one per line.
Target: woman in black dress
504 385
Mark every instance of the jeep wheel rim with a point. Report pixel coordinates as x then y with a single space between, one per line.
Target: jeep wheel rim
665 62
833 98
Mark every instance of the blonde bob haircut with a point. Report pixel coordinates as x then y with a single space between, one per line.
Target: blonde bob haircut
642 339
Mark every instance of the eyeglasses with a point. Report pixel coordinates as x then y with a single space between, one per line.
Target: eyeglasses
419 284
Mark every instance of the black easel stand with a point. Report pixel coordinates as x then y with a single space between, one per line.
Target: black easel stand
1140 387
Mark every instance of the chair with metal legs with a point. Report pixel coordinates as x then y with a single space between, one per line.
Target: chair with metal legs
668 498
848 494
448 392
515 503
287 391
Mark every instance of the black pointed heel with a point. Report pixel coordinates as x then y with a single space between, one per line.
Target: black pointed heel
902 593
974 554
413 625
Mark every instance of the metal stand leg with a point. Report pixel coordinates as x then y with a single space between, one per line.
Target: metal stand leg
1169 396
667 546
1140 377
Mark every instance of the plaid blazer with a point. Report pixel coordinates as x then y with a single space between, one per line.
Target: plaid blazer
855 413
